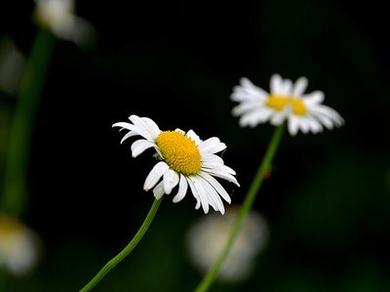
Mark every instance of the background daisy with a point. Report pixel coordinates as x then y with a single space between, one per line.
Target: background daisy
286 101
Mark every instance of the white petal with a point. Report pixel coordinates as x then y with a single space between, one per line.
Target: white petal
212 195
217 165
128 135
171 179
221 174
250 119
314 124
255 117
195 190
216 185
124 125
245 82
278 118
248 92
227 169
183 185
158 191
313 98
293 125
335 115
132 127
203 188
155 174
194 137
246 106
286 88
195 194
264 114
276 84
300 87
304 125
241 96
323 111
146 125
140 146
211 160
153 128
212 145
324 120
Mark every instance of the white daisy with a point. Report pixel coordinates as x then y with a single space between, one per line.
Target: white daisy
185 160
208 236
286 101
58 17
18 246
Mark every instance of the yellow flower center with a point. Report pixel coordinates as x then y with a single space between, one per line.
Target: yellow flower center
179 152
279 103
9 226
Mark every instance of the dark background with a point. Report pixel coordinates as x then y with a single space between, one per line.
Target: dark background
327 201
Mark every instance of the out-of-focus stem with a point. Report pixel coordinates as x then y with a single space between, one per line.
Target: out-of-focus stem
14 192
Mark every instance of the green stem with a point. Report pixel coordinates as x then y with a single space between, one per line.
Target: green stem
3 279
126 251
264 168
14 193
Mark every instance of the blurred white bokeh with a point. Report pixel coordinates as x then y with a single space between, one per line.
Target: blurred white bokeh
208 236
18 246
58 17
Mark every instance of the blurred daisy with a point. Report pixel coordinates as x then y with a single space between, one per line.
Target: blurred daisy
58 17
208 237
286 101
185 160
18 246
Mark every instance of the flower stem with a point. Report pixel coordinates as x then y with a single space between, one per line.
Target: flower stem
126 251
14 193
264 168
3 279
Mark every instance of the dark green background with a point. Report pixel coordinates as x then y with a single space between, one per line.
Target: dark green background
327 201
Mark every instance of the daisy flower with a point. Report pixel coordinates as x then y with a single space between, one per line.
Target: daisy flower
184 160
18 246
286 101
58 17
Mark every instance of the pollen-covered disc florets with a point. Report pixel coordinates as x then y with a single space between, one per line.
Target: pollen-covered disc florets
179 152
279 103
